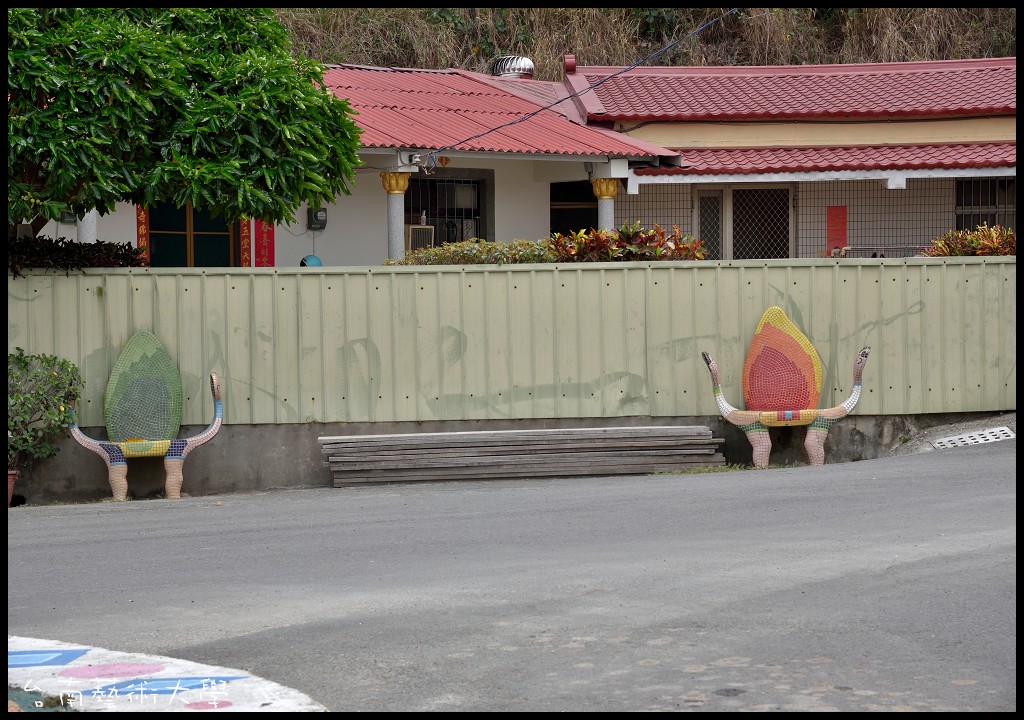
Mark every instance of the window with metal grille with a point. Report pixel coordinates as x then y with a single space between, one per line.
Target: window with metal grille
453 207
709 209
988 201
760 224
733 223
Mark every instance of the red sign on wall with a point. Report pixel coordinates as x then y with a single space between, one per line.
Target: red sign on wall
142 231
835 227
245 241
264 232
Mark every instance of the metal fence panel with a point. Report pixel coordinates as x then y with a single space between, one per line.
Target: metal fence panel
530 341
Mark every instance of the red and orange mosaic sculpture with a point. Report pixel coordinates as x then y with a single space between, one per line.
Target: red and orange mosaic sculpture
782 379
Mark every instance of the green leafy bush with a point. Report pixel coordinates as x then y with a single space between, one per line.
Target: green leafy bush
985 240
478 252
202 105
628 243
46 253
41 394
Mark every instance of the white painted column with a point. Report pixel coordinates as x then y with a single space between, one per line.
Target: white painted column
87 227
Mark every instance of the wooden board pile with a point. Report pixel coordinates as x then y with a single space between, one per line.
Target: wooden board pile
499 454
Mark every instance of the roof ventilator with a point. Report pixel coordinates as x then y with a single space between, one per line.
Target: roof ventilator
512 66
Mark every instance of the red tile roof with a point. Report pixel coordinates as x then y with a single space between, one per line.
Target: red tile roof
457 110
874 157
954 88
460 110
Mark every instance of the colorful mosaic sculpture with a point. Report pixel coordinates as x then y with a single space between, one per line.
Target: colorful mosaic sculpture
781 386
142 412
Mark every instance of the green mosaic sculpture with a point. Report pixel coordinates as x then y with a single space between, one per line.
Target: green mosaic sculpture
142 411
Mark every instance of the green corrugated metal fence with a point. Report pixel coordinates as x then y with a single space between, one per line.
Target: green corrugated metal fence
531 341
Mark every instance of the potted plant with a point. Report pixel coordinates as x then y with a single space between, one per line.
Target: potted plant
41 394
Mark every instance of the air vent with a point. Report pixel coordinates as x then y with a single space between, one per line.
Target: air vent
418 237
975 438
512 66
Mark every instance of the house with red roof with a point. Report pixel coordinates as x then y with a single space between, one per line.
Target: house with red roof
791 162
759 162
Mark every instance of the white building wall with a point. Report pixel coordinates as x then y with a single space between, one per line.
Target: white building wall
356 233
118 226
663 205
875 215
522 192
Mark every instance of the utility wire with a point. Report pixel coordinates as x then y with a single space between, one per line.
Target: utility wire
433 154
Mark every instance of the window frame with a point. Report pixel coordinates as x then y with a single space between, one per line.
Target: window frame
191 233
997 189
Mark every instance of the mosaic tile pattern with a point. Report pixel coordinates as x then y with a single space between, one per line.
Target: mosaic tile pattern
142 411
74 678
782 378
782 370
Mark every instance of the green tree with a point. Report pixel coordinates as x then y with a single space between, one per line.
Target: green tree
201 105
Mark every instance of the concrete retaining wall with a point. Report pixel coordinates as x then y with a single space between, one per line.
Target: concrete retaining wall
255 458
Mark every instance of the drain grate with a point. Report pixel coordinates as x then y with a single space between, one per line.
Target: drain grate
975 438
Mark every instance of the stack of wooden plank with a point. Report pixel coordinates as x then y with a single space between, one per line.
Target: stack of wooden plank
497 454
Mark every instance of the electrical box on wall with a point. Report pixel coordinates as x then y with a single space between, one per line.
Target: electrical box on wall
316 218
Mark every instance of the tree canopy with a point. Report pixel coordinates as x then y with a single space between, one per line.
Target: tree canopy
206 106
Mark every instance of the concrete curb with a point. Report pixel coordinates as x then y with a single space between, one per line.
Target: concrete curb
50 675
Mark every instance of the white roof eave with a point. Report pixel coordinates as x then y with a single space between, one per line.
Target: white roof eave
893 179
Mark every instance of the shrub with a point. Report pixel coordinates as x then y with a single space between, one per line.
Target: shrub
65 255
41 394
985 240
478 252
628 243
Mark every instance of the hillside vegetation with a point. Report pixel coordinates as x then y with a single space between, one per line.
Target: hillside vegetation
470 38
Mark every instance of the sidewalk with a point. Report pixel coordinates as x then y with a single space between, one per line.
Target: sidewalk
46 675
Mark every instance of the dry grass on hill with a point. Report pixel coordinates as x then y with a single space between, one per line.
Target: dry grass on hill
470 38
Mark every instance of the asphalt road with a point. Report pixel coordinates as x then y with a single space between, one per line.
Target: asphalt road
881 585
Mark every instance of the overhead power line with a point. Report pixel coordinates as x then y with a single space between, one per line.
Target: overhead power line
433 154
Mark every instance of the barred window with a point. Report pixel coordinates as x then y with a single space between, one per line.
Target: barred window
991 201
760 223
710 219
453 207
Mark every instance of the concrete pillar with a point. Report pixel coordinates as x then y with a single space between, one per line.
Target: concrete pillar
605 189
395 184
87 227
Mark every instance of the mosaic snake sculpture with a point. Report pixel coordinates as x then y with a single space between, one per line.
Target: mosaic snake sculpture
755 423
174 452
142 409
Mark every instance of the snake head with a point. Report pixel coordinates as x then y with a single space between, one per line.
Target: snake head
707 359
860 362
